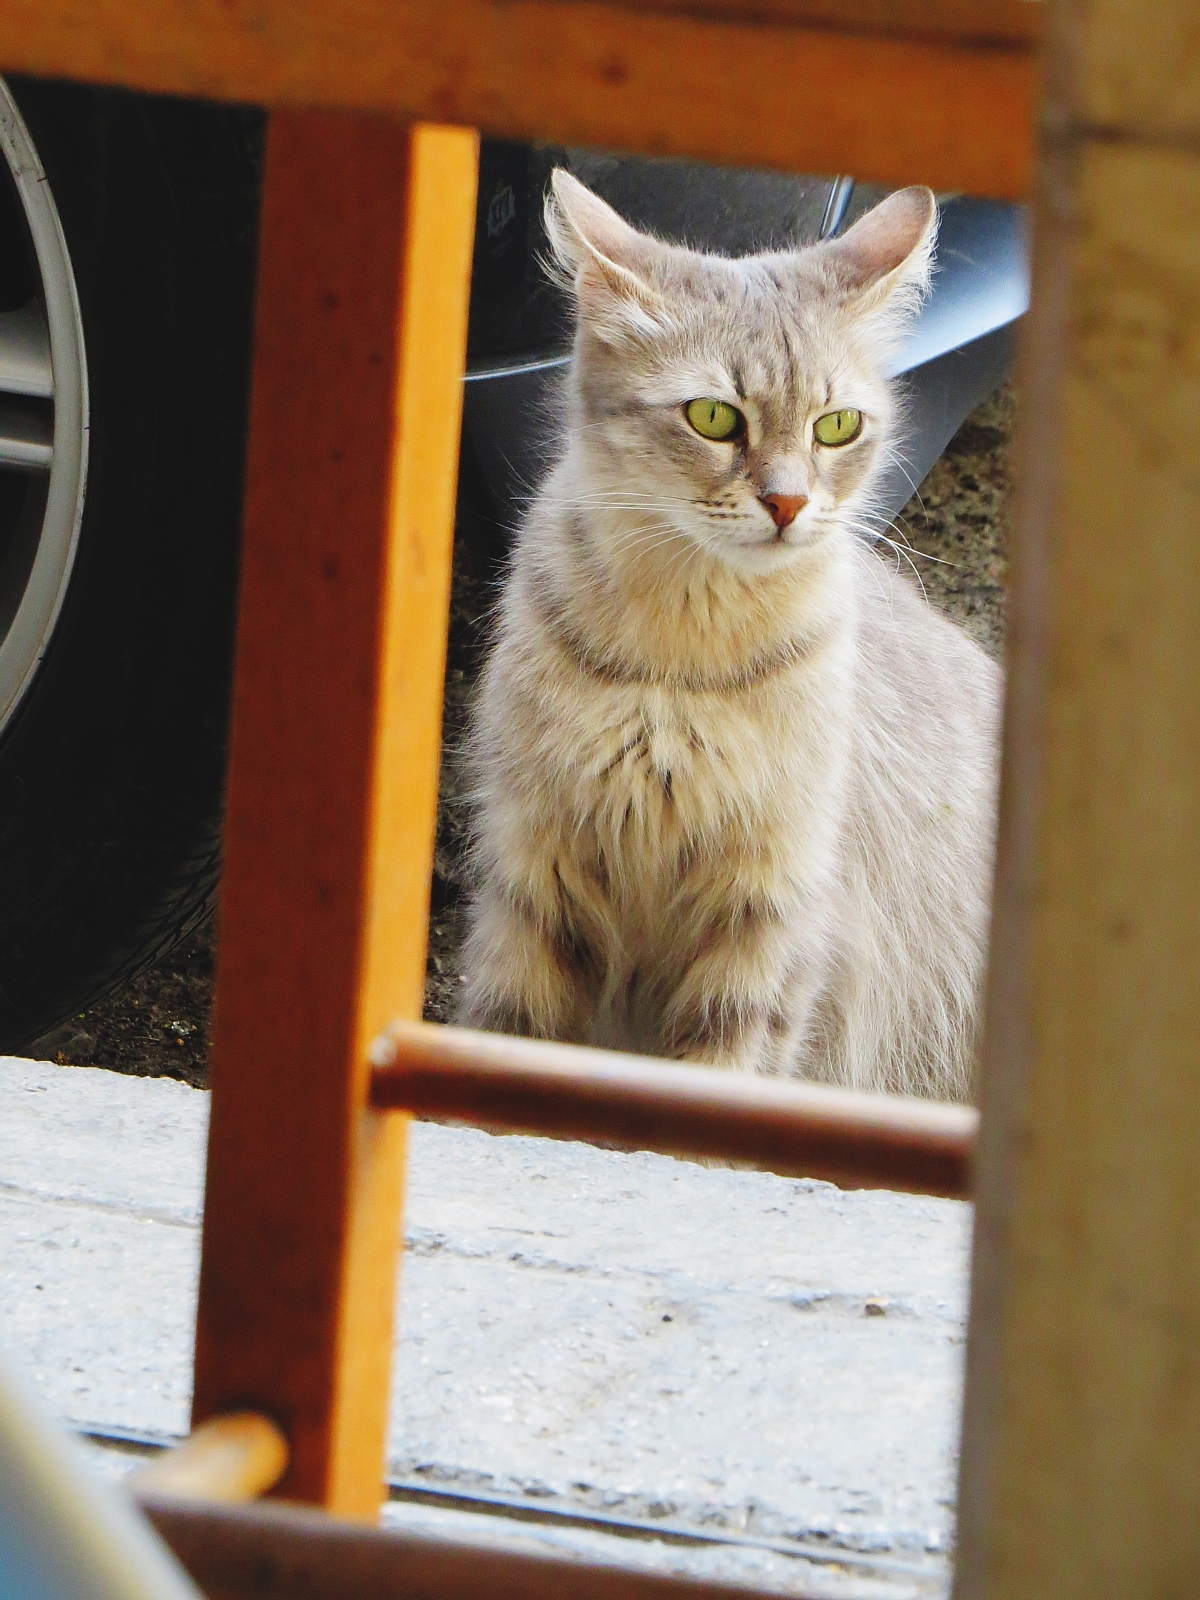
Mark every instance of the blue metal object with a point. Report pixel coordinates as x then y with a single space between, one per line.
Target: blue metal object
64 1534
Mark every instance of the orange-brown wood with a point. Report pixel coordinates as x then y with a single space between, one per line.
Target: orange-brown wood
280 1552
1013 22
366 241
231 1458
806 1129
902 91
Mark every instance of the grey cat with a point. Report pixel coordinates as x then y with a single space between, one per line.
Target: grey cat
734 779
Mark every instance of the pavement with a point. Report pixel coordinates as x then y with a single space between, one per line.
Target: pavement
629 1357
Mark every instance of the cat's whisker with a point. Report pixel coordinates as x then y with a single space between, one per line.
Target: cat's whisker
909 548
664 549
612 503
618 543
895 455
873 531
664 538
903 555
925 555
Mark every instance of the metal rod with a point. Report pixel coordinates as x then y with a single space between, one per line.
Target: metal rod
517 1508
840 195
633 1102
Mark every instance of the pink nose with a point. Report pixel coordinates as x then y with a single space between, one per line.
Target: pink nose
784 508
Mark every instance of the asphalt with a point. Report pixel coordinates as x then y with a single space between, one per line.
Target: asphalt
653 1362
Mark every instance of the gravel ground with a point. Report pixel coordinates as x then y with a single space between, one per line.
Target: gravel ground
958 521
956 531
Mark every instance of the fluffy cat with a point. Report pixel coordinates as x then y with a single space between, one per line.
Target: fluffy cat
734 779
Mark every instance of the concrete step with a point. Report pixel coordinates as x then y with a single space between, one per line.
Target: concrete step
614 1344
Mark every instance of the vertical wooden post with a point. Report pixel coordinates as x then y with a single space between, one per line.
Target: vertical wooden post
360 342
1081 1450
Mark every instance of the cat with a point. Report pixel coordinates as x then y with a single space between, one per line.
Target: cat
734 780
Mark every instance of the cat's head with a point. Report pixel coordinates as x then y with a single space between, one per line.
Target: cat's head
741 403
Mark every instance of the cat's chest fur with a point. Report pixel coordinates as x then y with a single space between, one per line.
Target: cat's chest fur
659 781
656 775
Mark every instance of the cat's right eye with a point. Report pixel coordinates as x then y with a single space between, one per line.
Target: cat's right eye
715 419
838 427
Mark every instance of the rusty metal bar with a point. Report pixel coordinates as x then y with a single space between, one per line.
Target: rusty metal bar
275 1551
870 1141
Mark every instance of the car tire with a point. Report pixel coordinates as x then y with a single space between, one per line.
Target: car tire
112 762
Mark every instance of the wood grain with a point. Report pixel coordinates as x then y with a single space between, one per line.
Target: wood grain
230 1458
279 1552
942 94
803 1129
1010 22
1129 70
366 242
1081 1473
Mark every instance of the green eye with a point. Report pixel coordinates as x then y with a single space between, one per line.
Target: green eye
713 419
837 427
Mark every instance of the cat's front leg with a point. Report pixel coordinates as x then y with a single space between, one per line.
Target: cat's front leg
746 997
731 1042
525 973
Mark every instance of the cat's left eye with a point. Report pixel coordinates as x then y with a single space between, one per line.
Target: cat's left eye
715 419
838 427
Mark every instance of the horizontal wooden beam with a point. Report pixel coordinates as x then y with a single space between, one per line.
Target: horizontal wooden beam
941 93
1012 22
870 1141
231 1458
275 1551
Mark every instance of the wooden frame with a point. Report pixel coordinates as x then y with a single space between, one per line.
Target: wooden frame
234 1457
1080 1472
359 351
940 91
285 1552
806 1129
1083 1395
360 344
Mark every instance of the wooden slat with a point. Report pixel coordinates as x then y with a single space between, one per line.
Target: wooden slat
1081 1467
1009 22
940 93
809 1130
231 1458
366 242
1151 91
278 1552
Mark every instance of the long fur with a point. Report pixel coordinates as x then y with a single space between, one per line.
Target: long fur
734 789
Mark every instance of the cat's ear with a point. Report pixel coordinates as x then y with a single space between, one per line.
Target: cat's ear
885 259
603 261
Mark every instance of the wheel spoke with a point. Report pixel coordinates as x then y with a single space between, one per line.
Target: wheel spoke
25 353
26 389
26 433
43 420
